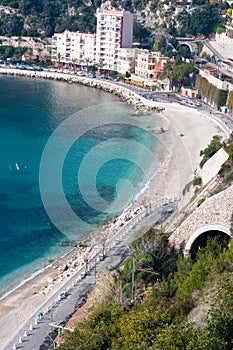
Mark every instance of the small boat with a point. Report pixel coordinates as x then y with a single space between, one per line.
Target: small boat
17 166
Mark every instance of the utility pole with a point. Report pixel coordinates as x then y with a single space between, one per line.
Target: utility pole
95 270
86 265
133 271
104 247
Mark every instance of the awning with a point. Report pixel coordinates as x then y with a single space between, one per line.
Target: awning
136 80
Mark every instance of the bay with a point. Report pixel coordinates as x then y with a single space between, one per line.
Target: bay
30 113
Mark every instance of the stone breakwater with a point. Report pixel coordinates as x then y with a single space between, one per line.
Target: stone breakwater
141 104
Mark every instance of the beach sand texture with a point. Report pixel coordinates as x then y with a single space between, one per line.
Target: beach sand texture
184 158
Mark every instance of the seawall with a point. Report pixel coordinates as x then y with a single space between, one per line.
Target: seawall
127 94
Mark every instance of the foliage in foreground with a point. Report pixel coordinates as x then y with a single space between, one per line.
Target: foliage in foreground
226 171
211 149
158 321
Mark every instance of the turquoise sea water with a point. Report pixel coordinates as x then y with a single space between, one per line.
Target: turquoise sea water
110 148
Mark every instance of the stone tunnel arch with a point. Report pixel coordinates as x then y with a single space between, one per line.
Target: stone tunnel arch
187 45
191 45
199 237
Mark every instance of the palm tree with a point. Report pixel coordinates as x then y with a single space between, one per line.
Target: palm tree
87 60
100 65
167 70
60 58
74 61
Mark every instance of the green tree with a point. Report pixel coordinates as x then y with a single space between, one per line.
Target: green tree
87 61
100 65
140 32
138 328
162 45
184 19
167 70
182 72
200 21
178 335
214 145
220 321
94 333
184 51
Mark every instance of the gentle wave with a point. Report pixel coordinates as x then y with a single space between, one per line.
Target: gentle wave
34 274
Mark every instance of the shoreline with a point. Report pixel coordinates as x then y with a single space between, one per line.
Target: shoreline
125 95
123 92
169 184
136 205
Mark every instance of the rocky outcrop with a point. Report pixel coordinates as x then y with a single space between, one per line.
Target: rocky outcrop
158 130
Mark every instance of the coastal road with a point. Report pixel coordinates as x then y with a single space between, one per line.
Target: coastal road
60 311
117 249
225 121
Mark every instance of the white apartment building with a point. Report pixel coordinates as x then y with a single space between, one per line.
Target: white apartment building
74 47
126 59
114 31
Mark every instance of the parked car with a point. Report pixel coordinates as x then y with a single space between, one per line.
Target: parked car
63 295
91 76
81 276
100 257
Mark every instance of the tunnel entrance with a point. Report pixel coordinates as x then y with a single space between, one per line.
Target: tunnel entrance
201 241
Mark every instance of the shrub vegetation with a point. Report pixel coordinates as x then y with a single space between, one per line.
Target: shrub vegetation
158 318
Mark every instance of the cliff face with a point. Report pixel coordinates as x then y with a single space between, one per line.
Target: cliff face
44 17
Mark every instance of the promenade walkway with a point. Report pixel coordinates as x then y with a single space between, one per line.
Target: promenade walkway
35 331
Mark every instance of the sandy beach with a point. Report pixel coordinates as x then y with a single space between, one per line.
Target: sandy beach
192 132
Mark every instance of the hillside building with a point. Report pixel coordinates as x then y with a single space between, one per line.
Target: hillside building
114 31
